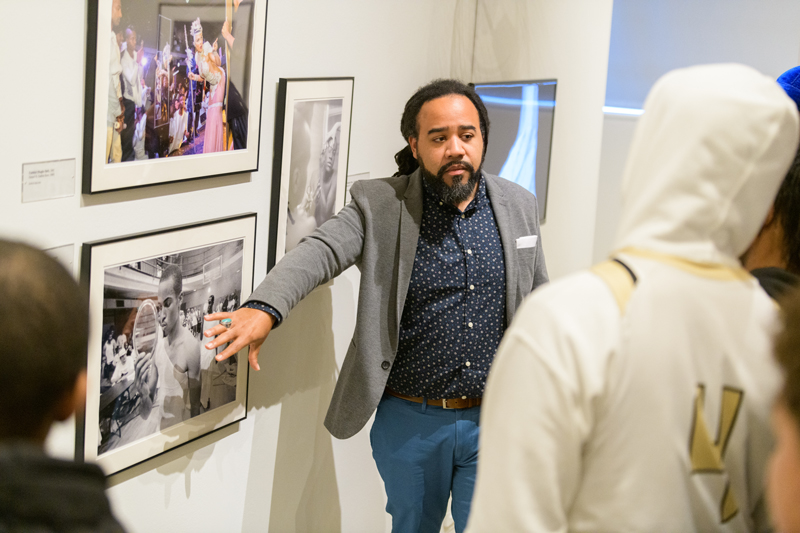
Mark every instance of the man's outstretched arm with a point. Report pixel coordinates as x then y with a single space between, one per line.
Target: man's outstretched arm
320 257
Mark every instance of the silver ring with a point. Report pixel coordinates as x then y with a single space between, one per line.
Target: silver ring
227 322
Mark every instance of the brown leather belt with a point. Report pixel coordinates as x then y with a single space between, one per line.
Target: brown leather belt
447 403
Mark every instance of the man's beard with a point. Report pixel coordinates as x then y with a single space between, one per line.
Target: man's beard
461 190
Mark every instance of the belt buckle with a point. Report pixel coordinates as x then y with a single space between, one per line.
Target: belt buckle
444 404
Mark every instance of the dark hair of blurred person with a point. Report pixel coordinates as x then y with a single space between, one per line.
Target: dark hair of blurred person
46 322
774 256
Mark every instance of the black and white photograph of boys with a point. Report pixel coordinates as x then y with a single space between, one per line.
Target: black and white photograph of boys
155 372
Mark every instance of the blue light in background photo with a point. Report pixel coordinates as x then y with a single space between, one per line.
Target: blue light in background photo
520 167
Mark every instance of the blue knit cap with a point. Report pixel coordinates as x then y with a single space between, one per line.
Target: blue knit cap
790 81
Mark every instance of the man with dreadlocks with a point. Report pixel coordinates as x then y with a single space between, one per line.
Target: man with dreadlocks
447 252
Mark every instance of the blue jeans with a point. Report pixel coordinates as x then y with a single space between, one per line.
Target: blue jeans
424 453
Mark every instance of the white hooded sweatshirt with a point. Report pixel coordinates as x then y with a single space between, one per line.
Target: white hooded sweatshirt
649 411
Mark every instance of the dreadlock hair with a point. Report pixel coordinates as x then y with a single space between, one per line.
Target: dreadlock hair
786 209
409 124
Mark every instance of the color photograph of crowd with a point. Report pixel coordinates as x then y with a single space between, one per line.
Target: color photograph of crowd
178 79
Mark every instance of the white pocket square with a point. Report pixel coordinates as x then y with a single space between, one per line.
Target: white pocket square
527 242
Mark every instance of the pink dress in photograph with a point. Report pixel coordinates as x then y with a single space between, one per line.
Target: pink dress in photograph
214 141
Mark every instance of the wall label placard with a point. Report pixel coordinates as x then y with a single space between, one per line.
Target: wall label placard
47 180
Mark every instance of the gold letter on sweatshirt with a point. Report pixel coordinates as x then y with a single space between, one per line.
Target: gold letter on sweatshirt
708 455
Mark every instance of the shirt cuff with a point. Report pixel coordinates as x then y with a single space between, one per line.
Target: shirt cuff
261 306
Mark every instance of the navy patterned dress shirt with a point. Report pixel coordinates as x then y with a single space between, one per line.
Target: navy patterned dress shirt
454 314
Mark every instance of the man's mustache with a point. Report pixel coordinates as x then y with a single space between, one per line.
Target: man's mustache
460 163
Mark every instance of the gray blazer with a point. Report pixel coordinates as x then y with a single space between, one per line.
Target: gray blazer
378 231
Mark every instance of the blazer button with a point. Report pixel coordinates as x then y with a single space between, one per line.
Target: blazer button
385 365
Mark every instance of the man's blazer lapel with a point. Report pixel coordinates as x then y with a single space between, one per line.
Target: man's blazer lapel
410 222
505 227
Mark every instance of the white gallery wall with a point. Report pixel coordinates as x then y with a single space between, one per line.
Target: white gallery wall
567 41
617 136
280 470
651 37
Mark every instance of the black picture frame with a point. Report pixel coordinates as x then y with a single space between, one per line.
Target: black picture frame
154 146
522 113
138 312
313 116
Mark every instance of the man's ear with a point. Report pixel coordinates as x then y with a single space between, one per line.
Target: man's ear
412 142
73 400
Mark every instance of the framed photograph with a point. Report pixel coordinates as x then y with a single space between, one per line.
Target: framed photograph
522 115
173 90
152 385
309 169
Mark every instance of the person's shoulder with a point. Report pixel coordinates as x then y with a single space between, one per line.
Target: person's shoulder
23 466
392 182
394 186
568 293
578 306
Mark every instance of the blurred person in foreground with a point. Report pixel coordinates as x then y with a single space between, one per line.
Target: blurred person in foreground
636 396
783 481
45 317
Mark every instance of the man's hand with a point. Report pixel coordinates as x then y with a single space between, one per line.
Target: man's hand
249 327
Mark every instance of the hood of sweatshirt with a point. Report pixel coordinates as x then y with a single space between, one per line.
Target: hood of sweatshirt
707 158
